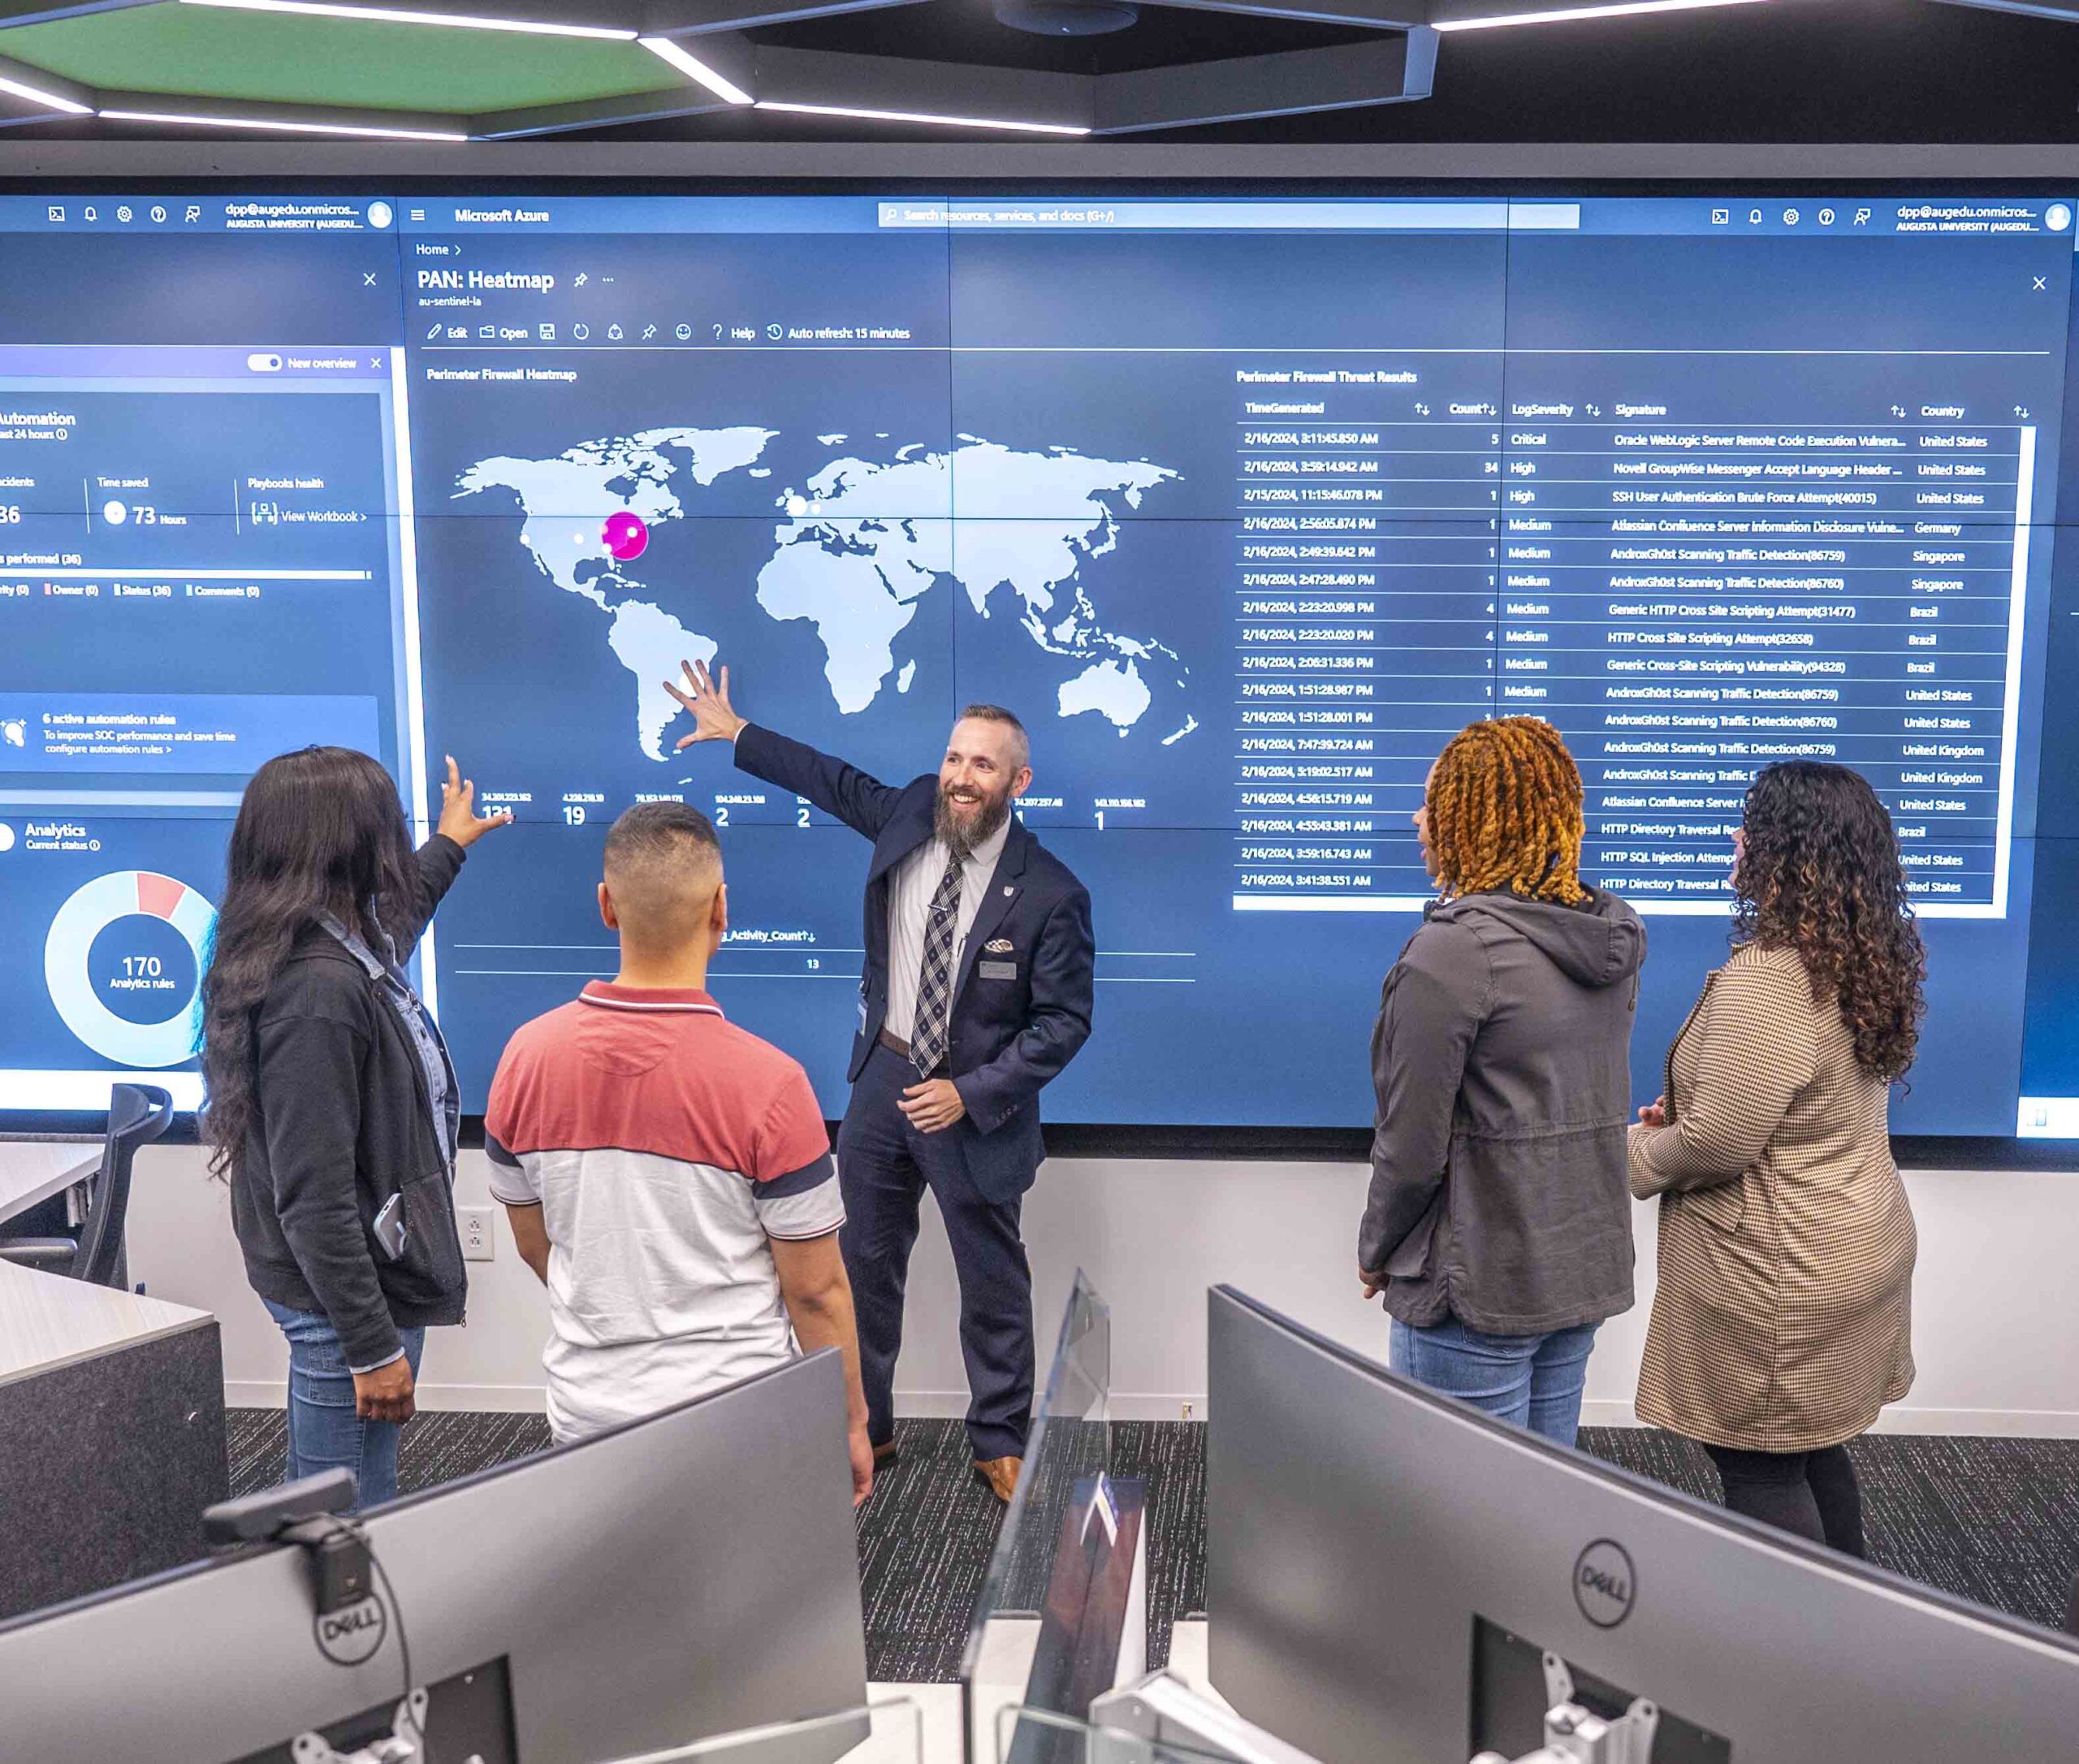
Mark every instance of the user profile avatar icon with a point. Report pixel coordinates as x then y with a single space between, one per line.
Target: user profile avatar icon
2056 217
6 838
380 215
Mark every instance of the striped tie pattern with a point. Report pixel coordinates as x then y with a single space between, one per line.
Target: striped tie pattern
927 1039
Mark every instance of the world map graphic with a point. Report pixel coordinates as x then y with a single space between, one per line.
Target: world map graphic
856 547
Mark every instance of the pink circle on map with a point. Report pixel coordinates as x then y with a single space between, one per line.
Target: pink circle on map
625 536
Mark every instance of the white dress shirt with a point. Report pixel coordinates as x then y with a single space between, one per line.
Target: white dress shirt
915 881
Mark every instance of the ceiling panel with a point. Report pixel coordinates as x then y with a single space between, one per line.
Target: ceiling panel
258 56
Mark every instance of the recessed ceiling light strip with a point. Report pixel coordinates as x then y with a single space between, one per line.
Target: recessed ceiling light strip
665 50
923 116
36 95
1619 9
278 122
457 21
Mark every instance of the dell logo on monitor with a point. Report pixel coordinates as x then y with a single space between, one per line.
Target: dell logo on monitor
347 1637
1604 1585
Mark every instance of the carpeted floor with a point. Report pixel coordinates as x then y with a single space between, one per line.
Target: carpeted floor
1996 1520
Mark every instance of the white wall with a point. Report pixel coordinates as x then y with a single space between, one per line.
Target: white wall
1996 1325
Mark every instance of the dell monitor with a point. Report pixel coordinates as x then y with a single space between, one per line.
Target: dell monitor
689 1575
1394 1578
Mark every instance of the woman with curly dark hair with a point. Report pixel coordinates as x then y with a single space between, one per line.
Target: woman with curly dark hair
1782 1322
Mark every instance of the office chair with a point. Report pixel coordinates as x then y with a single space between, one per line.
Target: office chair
137 1115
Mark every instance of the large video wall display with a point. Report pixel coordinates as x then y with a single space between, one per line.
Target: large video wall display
1245 503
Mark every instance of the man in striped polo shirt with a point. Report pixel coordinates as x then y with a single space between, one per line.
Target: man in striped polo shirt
666 1174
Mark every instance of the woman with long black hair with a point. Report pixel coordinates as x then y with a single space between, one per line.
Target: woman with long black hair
332 1106
1782 1323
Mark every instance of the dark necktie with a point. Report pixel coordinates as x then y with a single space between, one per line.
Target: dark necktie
927 1036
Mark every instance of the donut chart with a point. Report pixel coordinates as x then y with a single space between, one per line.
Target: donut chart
167 1038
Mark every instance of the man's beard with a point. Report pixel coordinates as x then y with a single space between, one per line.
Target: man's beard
962 838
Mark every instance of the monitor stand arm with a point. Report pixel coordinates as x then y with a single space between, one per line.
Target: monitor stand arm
1575 1735
404 1743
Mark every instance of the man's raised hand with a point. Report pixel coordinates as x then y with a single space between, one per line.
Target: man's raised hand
714 719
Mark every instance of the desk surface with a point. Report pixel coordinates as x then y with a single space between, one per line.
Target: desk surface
46 1320
34 1170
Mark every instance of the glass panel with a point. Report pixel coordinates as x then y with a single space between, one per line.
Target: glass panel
1071 1438
897 1736
1046 1737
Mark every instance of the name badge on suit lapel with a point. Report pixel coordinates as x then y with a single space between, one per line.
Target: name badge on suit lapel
996 970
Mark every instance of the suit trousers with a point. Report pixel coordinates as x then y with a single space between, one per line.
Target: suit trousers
884 1167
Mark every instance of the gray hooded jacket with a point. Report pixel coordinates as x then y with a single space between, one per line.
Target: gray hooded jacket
1502 1061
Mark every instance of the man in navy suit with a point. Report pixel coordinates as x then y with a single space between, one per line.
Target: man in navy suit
976 992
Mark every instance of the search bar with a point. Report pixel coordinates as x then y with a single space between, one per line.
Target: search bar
1229 217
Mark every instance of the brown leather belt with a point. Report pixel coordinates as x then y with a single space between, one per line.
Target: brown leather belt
896 1045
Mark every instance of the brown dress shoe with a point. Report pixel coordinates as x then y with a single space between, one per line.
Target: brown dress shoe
886 1453
999 1476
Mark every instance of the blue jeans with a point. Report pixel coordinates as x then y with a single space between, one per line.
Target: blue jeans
1534 1381
324 1431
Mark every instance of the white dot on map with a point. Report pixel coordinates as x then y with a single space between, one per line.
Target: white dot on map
797 505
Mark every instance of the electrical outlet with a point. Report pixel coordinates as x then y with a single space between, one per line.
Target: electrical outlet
479 1244
1187 1412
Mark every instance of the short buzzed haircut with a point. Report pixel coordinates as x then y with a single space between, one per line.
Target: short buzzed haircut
663 864
1021 743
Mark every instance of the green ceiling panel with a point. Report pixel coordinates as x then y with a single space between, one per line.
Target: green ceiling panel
207 52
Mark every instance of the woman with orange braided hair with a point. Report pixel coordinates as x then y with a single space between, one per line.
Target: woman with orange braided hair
1498 1225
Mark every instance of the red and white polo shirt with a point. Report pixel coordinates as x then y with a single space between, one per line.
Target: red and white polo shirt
665 1146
